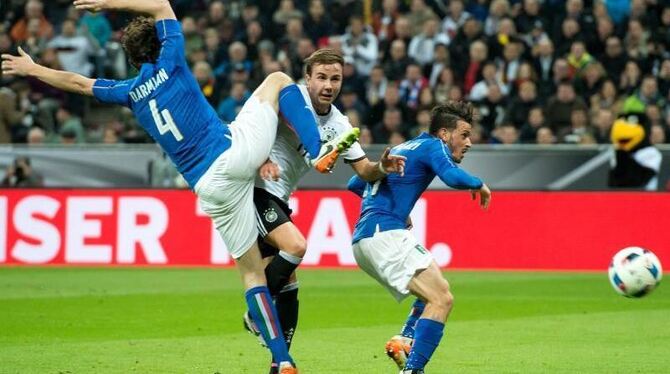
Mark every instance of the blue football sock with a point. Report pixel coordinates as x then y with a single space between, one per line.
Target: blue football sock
264 315
427 337
414 314
296 112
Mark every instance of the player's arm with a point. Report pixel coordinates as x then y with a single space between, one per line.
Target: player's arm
372 171
23 65
158 9
455 177
357 185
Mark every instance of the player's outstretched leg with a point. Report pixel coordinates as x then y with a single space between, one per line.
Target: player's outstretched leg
430 286
262 309
399 346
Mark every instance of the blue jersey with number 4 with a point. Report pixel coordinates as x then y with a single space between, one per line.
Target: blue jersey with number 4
388 202
169 105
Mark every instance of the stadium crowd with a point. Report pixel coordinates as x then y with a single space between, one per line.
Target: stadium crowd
539 71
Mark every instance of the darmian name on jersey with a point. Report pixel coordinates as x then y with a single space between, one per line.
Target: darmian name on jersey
146 88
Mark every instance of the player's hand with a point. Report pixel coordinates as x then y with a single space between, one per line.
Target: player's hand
485 196
392 163
90 5
269 171
17 65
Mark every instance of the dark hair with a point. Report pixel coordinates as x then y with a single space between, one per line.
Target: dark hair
447 115
323 56
140 41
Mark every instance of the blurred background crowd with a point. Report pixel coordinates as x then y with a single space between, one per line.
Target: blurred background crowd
538 71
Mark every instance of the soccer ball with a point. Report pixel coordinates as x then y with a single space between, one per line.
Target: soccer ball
635 271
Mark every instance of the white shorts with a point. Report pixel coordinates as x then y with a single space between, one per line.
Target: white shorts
392 257
226 190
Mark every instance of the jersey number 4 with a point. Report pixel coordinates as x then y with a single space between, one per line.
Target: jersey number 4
164 122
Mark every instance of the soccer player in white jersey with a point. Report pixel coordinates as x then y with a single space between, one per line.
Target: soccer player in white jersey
389 253
281 242
219 161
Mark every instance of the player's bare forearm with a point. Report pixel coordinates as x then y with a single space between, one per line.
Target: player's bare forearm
23 65
374 171
158 9
64 80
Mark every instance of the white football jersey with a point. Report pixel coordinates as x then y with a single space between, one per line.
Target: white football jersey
289 153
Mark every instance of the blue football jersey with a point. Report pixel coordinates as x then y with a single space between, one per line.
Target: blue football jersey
169 105
388 202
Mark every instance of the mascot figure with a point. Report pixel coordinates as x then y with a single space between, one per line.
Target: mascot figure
635 163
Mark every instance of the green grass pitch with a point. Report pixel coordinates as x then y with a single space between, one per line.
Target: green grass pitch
91 320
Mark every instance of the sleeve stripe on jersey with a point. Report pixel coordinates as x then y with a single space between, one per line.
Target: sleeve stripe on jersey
347 161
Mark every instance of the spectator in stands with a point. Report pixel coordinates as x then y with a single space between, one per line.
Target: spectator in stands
232 105
614 58
360 44
570 33
396 65
383 21
492 108
506 134
504 36
36 136
460 44
375 87
318 25
578 59
73 50
441 60
589 82
509 64
490 77
545 136
606 98
209 85
533 123
10 114
604 30
418 15
411 86
422 46
215 53
391 122
66 122
602 123
216 15
97 25
530 15
520 106
366 136
286 11
349 100
471 73
579 131
444 83
34 9
34 43
455 18
658 135
647 94
630 78
559 107
20 174
193 40
498 10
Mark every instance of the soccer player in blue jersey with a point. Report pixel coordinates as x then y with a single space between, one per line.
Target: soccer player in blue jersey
218 161
389 253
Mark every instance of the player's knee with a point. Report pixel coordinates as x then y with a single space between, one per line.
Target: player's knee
280 79
297 248
444 299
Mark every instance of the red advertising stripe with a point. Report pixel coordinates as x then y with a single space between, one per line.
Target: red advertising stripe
521 230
